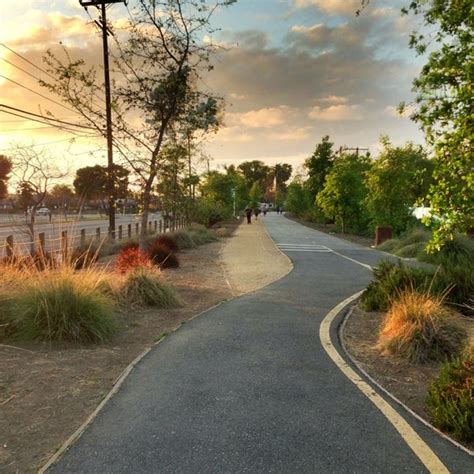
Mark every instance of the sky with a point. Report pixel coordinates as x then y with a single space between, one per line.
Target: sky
291 71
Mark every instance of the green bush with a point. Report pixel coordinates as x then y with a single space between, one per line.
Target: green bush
458 251
410 250
455 283
145 288
184 240
391 279
209 213
415 236
389 245
201 236
63 307
450 398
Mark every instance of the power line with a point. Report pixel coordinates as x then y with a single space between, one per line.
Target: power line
61 127
28 61
37 67
37 93
47 143
25 129
44 118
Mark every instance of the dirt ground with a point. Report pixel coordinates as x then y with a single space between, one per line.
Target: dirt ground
46 393
408 382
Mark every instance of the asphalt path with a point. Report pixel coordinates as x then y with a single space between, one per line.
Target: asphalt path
248 387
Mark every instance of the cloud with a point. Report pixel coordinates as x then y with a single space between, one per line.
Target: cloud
336 113
265 118
344 7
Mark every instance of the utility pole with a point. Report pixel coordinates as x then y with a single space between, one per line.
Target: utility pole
102 23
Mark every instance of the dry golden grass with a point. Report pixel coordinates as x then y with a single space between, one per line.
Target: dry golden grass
419 328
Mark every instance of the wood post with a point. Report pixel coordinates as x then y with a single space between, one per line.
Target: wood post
120 232
161 226
41 241
83 237
10 246
97 233
137 228
155 225
64 244
129 231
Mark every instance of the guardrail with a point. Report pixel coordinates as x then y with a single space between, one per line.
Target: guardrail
68 240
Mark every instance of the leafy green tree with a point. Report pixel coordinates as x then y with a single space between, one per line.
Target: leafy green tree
318 166
5 169
90 182
342 198
396 180
255 195
255 171
60 197
445 99
171 184
160 56
298 199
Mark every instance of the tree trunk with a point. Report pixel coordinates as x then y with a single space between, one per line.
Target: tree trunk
146 212
31 229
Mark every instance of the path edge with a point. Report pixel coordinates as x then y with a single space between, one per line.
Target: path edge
340 335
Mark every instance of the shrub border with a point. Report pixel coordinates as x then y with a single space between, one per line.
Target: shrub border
348 311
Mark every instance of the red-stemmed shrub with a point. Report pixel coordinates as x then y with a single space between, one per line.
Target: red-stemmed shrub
131 258
167 241
162 255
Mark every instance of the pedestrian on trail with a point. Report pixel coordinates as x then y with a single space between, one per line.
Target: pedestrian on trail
264 211
278 210
248 213
256 212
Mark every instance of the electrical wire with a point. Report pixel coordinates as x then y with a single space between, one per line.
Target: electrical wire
25 129
37 93
47 143
61 127
44 118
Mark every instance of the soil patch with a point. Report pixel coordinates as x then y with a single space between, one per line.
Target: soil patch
331 229
408 382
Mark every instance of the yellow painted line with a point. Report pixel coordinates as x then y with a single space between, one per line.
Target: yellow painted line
414 442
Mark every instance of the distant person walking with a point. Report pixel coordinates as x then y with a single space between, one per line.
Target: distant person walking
256 212
248 213
264 211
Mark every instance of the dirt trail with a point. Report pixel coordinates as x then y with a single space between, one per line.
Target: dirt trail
251 260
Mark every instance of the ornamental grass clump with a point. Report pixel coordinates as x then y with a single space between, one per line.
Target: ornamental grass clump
451 398
61 306
184 240
418 328
144 287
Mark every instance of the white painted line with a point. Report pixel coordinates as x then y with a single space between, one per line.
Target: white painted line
409 435
306 250
352 260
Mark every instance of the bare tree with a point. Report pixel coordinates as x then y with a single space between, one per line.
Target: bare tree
34 172
159 57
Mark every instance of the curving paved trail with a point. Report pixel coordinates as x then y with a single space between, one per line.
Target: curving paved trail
248 387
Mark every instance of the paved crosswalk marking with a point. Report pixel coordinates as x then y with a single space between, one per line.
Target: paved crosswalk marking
290 247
